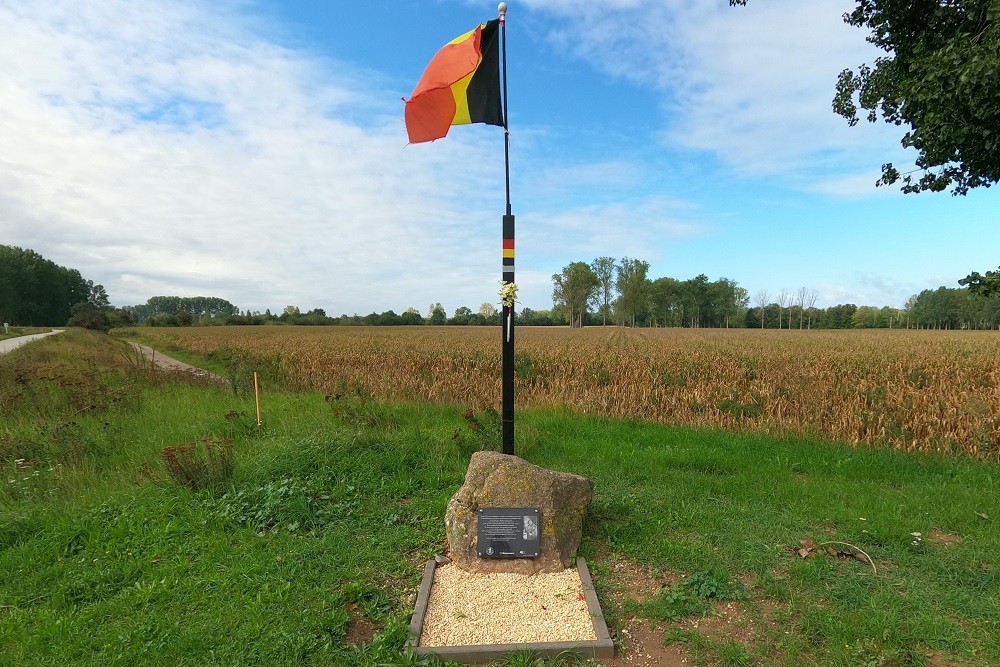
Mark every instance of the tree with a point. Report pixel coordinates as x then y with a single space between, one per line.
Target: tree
633 288
950 308
729 302
887 317
664 302
97 296
437 314
811 298
784 297
802 295
487 310
88 316
695 300
35 291
118 317
462 315
389 319
760 298
573 289
840 316
988 285
865 317
411 316
940 79
604 269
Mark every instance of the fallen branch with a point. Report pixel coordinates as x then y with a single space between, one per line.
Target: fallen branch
867 558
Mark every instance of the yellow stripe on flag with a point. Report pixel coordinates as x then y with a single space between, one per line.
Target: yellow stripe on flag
464 36
459 90
508 252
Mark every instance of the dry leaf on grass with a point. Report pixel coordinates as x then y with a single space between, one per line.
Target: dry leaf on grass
808 548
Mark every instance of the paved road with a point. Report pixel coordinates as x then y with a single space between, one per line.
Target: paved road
9 344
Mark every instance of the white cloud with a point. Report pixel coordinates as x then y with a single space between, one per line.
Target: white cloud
752 85
162 148
870 288
852 185
643 228
612 173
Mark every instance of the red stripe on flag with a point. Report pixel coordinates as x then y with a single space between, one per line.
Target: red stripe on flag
430 111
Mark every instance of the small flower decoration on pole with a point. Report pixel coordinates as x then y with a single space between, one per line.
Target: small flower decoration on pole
508 294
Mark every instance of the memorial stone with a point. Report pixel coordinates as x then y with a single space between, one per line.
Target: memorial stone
495 481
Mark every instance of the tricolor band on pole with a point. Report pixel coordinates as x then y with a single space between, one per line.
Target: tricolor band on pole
461 85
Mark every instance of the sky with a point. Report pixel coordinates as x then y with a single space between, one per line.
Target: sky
255 151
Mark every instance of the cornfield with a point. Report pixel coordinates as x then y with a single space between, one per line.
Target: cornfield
928 391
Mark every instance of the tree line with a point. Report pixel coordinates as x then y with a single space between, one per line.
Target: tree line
620 292
941 308
611 291
631 300
487 315
182 311
37 292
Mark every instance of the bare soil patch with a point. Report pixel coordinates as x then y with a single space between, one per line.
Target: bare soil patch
640 644
934 659
360 629
940 537
640 641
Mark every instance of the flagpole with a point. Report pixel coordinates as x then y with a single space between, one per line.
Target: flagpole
508 260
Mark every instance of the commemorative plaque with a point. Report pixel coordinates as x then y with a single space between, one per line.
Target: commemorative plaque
509 532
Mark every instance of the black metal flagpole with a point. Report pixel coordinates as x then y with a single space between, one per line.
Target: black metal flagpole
508 262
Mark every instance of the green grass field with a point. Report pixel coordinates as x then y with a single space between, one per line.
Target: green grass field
310 553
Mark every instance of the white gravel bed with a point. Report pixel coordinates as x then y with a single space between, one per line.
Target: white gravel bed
466 609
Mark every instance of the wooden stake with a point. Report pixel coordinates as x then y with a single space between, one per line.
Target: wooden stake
256 394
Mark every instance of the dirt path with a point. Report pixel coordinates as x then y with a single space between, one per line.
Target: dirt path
166 363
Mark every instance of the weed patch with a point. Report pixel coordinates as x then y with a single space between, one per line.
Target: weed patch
202 464
287 504
486 426
691 596
354 406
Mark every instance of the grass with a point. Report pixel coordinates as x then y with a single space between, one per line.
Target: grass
310 553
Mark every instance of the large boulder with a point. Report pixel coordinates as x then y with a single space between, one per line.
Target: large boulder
501 480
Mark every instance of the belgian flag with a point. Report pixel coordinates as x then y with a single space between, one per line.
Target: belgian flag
461 85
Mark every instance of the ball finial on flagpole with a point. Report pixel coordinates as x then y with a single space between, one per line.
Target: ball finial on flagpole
502 9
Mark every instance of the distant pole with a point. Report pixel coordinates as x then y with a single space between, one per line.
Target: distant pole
256 394
507 320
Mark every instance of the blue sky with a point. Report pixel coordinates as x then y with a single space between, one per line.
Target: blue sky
256 151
